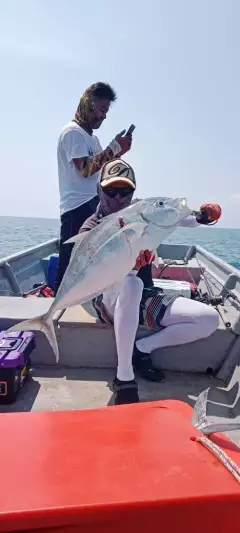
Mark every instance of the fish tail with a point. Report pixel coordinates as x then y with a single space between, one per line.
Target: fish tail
42 323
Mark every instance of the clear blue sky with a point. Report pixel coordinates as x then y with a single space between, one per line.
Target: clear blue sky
175 67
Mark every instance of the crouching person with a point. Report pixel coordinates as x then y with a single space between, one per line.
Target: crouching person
135 300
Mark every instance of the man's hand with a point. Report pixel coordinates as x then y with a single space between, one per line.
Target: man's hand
143 259
209 213
124 142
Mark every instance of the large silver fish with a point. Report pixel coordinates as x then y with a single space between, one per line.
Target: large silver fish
103 256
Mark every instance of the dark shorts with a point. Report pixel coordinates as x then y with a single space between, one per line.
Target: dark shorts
71 223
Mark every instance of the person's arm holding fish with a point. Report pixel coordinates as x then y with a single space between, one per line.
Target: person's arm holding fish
209 214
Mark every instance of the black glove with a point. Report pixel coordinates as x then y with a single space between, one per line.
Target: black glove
203 218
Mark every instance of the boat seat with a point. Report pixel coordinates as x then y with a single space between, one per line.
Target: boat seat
84 341
80 316
177 270
15 308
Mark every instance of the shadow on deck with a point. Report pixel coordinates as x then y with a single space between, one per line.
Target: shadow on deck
60 388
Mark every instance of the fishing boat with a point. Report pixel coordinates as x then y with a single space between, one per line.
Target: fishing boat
69 416
85 342
87 345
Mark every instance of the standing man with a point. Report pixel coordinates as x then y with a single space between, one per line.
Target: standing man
80 159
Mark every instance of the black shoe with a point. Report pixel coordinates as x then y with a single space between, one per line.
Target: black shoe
125 392
142 362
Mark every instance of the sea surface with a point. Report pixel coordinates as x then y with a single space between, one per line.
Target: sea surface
19 233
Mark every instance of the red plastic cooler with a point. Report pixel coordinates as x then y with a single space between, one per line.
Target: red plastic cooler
135 468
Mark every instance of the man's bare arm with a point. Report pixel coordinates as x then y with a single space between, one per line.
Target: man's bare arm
92 164
89 165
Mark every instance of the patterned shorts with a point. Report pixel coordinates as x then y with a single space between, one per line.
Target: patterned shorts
152 308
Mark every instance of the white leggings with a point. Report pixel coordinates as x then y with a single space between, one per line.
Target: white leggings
185 321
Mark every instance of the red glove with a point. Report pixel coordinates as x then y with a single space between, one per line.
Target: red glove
143 259
209 213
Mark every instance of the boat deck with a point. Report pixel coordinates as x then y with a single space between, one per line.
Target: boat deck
59 388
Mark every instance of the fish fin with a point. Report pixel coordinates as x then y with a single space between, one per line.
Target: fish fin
42 323
132 225
136 227
129 232
77 238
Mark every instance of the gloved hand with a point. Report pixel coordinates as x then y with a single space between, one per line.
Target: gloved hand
143 259
209 213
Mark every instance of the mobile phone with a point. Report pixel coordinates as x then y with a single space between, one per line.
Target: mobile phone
130 130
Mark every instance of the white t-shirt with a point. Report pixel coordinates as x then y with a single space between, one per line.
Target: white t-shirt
74 142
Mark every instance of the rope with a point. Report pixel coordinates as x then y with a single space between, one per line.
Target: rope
222 456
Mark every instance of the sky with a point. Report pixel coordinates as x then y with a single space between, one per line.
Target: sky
175 65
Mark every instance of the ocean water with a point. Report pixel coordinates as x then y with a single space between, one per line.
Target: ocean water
19 233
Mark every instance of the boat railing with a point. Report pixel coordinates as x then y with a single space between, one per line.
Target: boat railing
225 273
11 265
28 251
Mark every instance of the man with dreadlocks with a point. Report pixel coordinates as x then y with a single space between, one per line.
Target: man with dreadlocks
80 159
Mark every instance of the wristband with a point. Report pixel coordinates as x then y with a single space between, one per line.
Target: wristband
115 147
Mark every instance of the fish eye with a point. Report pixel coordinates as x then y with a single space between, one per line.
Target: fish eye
160 203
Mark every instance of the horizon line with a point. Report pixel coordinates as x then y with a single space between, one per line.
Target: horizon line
58 219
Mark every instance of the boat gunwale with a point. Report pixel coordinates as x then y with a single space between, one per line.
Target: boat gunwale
28 251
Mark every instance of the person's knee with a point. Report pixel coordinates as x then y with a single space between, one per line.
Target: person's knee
209 320
214 319
131 292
